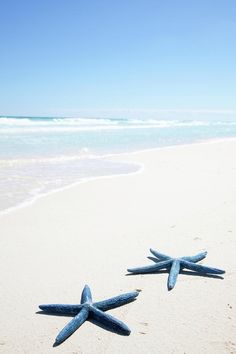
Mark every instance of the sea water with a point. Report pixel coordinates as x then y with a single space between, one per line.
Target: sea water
40 155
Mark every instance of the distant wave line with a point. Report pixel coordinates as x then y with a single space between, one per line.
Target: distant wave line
4 129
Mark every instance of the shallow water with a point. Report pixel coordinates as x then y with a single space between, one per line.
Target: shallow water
39 155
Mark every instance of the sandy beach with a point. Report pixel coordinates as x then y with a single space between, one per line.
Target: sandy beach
182 202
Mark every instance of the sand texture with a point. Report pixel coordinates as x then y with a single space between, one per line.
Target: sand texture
181 203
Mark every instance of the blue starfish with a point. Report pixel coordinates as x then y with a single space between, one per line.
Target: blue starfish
174 265
93 311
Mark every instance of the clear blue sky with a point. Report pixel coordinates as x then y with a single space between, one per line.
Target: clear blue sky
108 57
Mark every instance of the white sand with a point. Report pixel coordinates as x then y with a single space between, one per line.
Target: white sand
183 202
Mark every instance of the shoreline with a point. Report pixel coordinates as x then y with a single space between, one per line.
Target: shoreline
115 156
61 189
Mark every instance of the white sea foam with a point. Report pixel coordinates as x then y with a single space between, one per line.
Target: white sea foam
29 125
49 160
102 121
56 121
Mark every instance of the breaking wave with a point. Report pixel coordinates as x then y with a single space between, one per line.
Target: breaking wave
31 125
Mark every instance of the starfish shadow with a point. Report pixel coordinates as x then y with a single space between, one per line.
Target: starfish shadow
53 314
184 272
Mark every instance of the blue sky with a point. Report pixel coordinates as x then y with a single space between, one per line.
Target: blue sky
118 58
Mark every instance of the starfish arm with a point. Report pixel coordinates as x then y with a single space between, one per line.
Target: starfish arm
108 322
196 258
61 309
160 256
201 269
174 272
72 326
150 268
86 295
116 301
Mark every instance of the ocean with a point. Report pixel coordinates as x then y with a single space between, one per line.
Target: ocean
40 155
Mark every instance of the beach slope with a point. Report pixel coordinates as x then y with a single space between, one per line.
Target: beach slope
181 203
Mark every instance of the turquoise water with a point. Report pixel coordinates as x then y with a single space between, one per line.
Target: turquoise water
39 155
